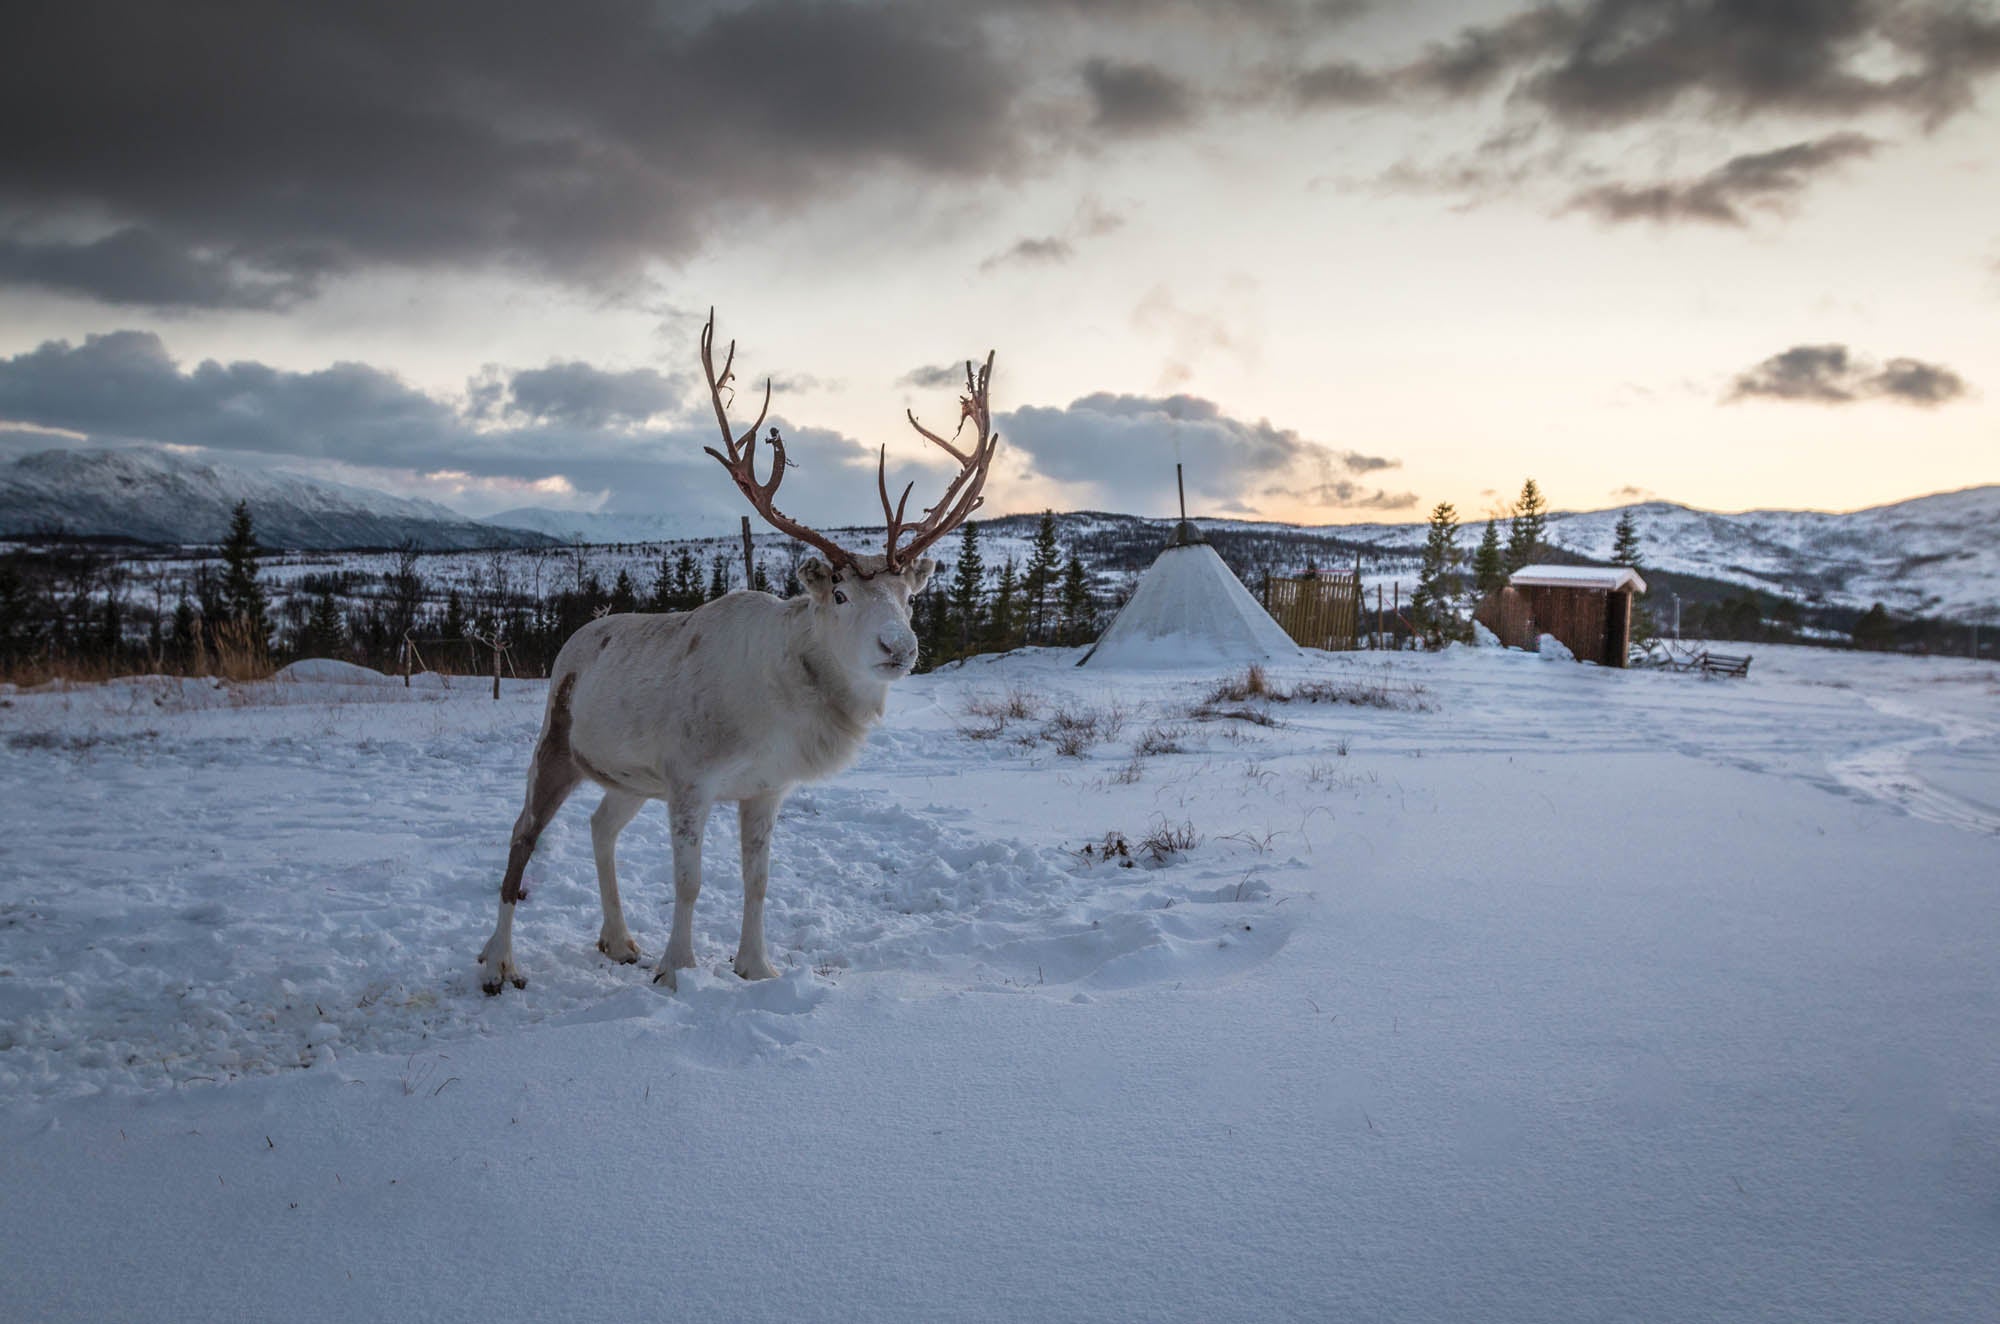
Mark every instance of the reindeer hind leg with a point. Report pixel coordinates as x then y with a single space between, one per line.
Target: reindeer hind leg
552 777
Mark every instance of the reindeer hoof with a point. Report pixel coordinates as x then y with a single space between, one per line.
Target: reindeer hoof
621 948
758 968
500 972
665 975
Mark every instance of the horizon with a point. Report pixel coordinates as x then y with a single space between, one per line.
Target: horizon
1343 260
729 528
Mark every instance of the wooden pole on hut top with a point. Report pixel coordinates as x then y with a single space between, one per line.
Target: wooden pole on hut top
1182 489
749 570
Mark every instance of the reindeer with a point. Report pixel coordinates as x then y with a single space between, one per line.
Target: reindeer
740 699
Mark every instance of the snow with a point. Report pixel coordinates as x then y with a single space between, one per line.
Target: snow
1609 578
1553 649
1414 1031
1190 609
331 671
159 496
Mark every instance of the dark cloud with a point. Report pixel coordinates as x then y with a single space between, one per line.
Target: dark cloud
934 376
1608 63
586 396
1091 221
246 153
137 266
1119 452
1746 57
1044 250
1137 98
1831 375
1759 179
570 421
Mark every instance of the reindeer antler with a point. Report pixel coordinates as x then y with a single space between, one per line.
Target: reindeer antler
741 462
962 497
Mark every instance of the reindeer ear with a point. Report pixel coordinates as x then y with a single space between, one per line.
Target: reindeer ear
817 576
919 573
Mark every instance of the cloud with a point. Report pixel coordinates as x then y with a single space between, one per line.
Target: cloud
1118 452
1831 375
1606 63
1091 221
1047 249
934 376
1137 98
1590 68
1759 179
1624 60
586 396
632 436
283 146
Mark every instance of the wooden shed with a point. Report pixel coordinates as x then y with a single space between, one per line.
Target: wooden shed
1587 607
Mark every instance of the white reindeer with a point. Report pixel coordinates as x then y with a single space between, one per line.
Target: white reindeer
740 699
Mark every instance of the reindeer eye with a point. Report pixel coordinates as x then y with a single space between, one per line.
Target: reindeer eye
839 597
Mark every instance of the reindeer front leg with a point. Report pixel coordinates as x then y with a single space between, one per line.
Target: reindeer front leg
756 816
687 813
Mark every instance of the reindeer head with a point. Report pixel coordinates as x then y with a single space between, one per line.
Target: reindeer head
861 604
861 613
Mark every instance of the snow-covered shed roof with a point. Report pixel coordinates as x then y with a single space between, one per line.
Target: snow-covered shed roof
1607 577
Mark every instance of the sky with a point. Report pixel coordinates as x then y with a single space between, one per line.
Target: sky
1342 260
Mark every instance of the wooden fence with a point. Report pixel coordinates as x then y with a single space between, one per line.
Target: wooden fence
1321 612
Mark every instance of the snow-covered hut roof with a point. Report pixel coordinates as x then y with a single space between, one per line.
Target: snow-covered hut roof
1607 577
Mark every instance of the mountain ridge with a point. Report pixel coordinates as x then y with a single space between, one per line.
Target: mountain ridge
156 496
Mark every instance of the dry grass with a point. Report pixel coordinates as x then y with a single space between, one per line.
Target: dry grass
1161 739
1167 840
1015 703
1074 728
1230 698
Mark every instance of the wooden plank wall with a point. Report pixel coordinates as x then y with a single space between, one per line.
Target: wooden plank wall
1573 615
1506 613
1580 617
1316 613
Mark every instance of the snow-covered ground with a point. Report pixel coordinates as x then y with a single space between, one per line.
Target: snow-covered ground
1541 992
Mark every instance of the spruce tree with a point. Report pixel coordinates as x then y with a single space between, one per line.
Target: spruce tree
1003 623
1489 564
681 591
718 576
242 597
624 595
968 582
662 596
1038 582
186 636
1625 543
20 621
1874 630
1075 605
326 629
760 580
1439 585
454 616
1527 530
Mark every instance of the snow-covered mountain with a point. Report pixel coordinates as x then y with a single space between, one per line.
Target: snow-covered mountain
1930 556
579 526
157 496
